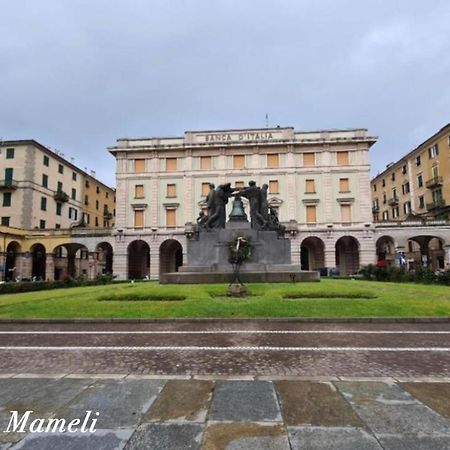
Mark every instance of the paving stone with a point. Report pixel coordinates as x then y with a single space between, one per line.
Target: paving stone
306 403
182 400
414 442
43 397
336 438
252 401
245 436
162 436
100 440
120 403
388 409
435 395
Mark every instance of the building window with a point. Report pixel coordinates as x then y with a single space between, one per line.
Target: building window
309 159
404 169
73 213
385 215
5 221
171 190
86 200
273 161
86 183
58 208
139 191
139 165
45 180
407 207
46 161
346 213
311 214
374 188
342 158
9 175
239 184
238 161
418 160
9 153
171 164
395 212
58 226
394 192
74 176
419 180
435 171
421 202
74 194
59 186
393 176
42 224
405 188
43 203
87 218
106 194
96 221
384 198
205 162
171 218
273 187
383 182
7 199
139 218
344 185
310 187
96 204
433 151
205 189
60 168
97 190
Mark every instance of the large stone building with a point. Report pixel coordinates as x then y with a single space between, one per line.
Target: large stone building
41 189
412 190
319 182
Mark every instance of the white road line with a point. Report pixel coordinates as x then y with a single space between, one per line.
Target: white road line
231 348
227 332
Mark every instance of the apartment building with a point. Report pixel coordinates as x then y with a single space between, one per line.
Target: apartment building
39 188
417 185
318 182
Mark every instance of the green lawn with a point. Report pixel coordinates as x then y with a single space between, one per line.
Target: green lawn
329 298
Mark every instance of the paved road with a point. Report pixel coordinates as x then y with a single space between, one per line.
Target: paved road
254 348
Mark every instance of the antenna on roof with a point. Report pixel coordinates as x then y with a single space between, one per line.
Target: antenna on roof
267 120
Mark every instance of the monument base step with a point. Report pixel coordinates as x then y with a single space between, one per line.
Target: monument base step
246 277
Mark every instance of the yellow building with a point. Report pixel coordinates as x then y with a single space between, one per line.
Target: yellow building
417 185
40 189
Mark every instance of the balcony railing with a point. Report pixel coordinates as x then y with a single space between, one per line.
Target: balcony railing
436 204
61 196
107 215
434 182
8 184
393 201
375 209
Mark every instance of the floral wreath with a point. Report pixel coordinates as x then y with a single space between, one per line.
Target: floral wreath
240 250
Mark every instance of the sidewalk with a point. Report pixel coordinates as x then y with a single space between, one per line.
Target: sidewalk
144 412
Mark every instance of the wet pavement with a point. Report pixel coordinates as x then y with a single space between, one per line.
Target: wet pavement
255 348
229 385
143 412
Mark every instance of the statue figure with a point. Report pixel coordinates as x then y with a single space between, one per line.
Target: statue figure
220 200
274 224
210 199
253 194
264 203
201 219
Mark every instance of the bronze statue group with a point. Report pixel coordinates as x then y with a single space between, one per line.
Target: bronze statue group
262 216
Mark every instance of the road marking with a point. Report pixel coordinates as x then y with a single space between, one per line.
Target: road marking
231 348
229 332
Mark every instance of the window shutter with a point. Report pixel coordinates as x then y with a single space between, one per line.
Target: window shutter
139 191
311 213
239 161
273 187
205 189
309 159
171 164
342 158
171 218
346 213
171 190
272 160
344 185
139 165
310 186
139 218
205 162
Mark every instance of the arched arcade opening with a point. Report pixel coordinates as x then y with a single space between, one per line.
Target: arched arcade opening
138 260
170 256
347 255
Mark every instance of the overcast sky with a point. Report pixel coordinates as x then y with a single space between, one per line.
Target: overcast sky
76 75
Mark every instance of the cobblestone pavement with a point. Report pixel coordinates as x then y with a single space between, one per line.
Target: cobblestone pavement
254 348
147 412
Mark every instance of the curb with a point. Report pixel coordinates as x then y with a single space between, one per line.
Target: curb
378 320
